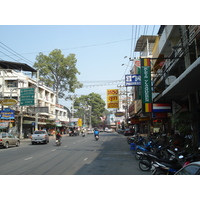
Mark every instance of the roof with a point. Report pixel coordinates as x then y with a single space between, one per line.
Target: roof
16 66
141 42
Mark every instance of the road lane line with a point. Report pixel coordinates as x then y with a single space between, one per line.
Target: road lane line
28 158
53 150
85 159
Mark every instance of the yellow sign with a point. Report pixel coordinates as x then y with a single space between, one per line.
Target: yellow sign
8 102
112 98
79 122
112 92
113 105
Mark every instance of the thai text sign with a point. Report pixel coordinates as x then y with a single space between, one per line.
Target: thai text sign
146 85
27 96
7 114
112 98
132 80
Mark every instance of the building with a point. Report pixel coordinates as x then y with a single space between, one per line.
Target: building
42 113
175 62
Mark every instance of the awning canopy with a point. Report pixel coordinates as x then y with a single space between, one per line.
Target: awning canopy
186 83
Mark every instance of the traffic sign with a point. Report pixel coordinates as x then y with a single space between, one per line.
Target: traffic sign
27 96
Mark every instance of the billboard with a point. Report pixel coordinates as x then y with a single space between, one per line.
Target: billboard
112 98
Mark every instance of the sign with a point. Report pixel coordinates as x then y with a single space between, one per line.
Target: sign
7 114
132 80
146 87
27 96
80 122
38 109
8 102
113 105
112 98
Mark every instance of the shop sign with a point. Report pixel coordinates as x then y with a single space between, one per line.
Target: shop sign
146 85
132 80
7 114
8 102
112 98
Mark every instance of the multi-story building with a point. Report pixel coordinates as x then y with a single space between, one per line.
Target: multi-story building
175 71
27 118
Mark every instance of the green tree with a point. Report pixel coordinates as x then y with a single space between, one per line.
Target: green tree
97 107
58 72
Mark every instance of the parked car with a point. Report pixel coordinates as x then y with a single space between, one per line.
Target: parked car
120 131
190 169
40 136
7 139
128 132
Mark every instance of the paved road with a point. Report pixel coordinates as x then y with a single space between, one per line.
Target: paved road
77 156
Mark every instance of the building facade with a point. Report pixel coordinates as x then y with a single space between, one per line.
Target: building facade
44 113
175 71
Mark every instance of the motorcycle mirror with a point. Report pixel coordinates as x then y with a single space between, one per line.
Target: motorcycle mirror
181 157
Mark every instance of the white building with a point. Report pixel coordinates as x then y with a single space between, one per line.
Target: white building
50 114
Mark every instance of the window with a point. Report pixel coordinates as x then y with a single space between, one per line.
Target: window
12 83
3 135
189 170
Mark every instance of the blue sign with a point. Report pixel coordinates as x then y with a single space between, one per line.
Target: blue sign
7 114
132 80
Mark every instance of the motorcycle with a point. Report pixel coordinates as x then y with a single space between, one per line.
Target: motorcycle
58 142
83 134
96 137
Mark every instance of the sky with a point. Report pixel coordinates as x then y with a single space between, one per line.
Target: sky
102 51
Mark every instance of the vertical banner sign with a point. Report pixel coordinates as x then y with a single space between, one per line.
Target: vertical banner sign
146 85
112 98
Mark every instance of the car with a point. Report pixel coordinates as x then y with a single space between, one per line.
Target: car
40 136
109 130
8 139
89 131
120 131
128 132
190 169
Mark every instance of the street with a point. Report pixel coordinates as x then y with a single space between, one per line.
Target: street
77 155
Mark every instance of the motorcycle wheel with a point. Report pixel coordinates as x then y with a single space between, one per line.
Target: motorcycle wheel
145 165
138 157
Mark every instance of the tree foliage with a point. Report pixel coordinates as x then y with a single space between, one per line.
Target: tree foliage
97 107
58 72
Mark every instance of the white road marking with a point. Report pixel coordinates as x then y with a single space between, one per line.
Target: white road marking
85 159
53 150
28 158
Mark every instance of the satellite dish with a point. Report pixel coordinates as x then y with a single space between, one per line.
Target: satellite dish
170 79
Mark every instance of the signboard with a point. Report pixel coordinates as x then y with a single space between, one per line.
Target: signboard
27 96
132 80
8 102
79 122
7 114
38 109
112 98
146 85
161 107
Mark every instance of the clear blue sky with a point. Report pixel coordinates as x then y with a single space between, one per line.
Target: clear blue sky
99 49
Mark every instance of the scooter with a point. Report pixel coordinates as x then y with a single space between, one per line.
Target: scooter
58 142
83 134
96 137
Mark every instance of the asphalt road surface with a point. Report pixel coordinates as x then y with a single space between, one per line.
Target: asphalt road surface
77 155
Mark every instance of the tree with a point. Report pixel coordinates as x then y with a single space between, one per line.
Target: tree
58 72
97 107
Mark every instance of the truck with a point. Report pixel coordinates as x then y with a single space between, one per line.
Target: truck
40 136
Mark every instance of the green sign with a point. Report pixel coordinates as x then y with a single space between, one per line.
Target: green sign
146 84
27 96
